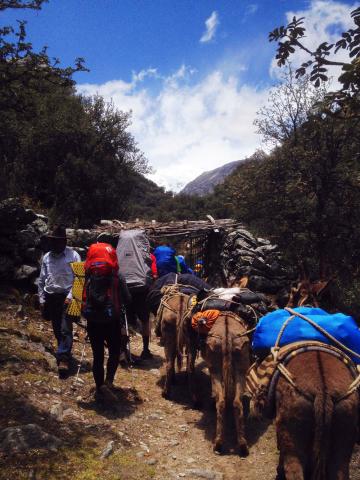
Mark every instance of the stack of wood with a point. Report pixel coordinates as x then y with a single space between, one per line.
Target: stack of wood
171 229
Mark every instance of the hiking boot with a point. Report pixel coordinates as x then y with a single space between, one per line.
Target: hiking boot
63 368
105 394
146 355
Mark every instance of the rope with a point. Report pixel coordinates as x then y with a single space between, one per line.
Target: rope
285 372
324 332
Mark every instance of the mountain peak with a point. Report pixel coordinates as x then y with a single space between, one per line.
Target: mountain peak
205 183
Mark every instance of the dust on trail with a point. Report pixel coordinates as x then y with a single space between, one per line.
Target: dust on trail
153 438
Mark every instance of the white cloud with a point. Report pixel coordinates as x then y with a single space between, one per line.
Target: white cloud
188 128
211 24
324 22
194 123
251 9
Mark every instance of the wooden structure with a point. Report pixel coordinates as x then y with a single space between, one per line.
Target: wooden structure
199 241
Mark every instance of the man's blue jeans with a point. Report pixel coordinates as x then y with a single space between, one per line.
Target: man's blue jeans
55 310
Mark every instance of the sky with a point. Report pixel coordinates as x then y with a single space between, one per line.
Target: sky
192 72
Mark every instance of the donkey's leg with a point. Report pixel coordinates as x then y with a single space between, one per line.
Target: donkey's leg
169 336
220 412
291 465
191 376
239 413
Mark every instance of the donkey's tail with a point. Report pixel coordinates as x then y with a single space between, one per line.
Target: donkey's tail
323 413
227 362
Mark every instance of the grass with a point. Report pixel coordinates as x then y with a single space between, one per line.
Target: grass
83 463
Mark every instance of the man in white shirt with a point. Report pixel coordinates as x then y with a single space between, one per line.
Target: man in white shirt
54 286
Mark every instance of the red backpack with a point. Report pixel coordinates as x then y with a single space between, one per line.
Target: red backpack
101 301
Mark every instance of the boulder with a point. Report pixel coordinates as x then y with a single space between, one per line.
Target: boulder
32 255
23 438
27 238
8 244
25 273
6 267
40 226
247 236
12 215
263 284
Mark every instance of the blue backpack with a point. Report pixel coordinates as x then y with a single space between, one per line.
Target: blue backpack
165 260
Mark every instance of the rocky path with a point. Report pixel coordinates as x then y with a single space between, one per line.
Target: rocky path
143 436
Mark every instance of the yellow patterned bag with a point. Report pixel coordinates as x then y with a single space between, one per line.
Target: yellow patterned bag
74 308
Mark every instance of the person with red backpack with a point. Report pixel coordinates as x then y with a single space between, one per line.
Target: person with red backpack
105 298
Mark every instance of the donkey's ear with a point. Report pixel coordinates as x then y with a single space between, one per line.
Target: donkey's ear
203 293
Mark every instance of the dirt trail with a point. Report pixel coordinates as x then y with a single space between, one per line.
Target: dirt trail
151 437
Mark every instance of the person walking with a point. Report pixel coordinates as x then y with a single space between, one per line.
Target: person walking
54 288
105 299
138 266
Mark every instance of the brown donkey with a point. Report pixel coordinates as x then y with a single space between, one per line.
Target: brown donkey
227 355
171 312
316 418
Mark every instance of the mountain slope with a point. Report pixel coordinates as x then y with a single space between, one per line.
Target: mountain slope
205 183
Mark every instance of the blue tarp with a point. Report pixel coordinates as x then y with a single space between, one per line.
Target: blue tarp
340 326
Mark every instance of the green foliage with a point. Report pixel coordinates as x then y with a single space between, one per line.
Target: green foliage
291 38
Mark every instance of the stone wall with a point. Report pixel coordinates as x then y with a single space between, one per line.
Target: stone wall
21 230
243 255
22 246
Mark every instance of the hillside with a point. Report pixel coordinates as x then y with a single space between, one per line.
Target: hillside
205 183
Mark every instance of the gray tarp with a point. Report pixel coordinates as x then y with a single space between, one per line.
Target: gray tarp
133 252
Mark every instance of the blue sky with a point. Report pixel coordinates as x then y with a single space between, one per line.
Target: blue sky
193 72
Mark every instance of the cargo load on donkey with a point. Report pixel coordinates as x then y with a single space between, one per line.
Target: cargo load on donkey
105 297
285 333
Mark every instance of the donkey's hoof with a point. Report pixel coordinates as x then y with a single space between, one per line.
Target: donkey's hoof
196 404
218 448
243 450
165 394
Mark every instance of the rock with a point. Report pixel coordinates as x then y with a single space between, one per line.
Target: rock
27 238
32 255
44 218
23 438
6 267
51 361
12 214
151 461
263 284
266 249
20 311
247 236
8 245
241 243
263 241
108 450
155 416
25 272
40 226
57 411
199 473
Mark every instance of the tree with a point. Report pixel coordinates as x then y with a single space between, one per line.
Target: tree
290 104
292 37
